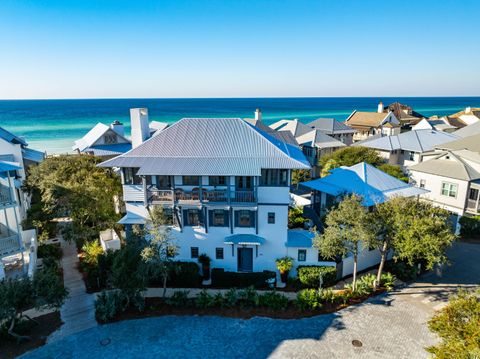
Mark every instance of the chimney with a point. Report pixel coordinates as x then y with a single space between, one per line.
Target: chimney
118 127
468 109
258 115
139 124
380 107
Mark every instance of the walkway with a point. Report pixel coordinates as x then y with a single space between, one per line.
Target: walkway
388 326
78 312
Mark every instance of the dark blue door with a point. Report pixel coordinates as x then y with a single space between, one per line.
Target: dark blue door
245 259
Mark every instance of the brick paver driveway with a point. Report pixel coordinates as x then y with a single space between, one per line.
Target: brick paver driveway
388 326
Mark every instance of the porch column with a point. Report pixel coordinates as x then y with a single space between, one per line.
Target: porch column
145 194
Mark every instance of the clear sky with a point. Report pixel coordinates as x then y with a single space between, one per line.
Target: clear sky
238 48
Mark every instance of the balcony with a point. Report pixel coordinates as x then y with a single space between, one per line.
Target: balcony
197 196
5 196
9 243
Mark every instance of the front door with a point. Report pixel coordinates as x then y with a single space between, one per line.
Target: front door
245 259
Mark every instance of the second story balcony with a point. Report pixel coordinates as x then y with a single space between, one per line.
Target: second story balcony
6 196
200 195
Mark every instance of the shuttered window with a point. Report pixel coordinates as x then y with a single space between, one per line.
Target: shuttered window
244 218
192 217
218 253
218 218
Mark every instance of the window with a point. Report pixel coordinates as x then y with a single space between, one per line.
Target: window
218 218
271 217
473 194
302 255
191 217
244 218
130 177
218 253
110 139
194 252
244 182
273 177
422 183
217 180
411 156
449 189
164 182
191 180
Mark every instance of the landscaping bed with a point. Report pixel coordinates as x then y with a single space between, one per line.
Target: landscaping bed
47 324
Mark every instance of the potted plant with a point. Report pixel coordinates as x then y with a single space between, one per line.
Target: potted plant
205 260
284 266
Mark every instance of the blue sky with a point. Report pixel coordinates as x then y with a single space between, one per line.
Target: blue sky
235 48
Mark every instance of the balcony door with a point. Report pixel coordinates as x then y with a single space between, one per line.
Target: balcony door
244 183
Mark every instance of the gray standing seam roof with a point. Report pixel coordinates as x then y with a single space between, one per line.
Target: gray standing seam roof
330 126
211 146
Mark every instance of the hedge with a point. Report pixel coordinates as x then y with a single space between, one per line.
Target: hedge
309 276
222 279
470 226
184 275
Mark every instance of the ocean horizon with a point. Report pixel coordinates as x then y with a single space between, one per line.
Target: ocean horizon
54 125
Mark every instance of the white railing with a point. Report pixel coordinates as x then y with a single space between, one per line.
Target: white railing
203 195
9 244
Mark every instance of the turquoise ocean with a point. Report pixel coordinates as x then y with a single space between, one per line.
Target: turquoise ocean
53 125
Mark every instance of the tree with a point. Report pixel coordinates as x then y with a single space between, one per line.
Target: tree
414 230
161 246
347 230
74 186
300 176
45 291
394 171
458 325
349 156
295 217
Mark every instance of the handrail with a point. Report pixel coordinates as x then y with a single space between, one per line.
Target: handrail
202 195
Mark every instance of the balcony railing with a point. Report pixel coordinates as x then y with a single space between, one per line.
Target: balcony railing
5 195
198 195
9 245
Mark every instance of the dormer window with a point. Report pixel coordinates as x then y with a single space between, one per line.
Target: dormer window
110 139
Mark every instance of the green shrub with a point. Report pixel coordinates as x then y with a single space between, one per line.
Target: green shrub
204 300
108 305
364 285
184 275
179 299
309 276
308 299
273 300
49 251
329 296
469 226
91 251
296 218
248 297
230 298
284 264
219 300
222 279
402 270
344 296
388 281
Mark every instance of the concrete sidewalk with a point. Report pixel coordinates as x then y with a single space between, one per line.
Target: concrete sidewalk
78 311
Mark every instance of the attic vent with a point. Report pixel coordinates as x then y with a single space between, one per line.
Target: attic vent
447 157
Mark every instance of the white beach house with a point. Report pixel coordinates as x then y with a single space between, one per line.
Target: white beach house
225 184
17 246
372 185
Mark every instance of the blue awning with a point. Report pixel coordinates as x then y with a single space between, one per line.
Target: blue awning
299 238
9 166
245 239
33 155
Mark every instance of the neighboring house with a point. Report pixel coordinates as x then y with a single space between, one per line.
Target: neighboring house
435 123
110 141
223 182
404 113
371 184
465 117
473 129
17 246
471 143
314 142
368 124
284 136
336 129
407 148
452 178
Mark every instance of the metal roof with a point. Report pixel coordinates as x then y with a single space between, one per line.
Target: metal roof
10 137
295 127
414 141
316 138
451 164
330 126
109 150
368 182
93 135
33 155
131 218
469 130
211 146
299 238
471 143
284 136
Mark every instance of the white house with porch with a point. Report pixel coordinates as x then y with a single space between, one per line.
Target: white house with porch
225 184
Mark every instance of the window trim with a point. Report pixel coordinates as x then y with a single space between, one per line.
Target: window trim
219 250
194 252
449 190
303 251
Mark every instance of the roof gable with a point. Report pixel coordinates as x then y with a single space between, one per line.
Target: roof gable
316 138
330 126
94 135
